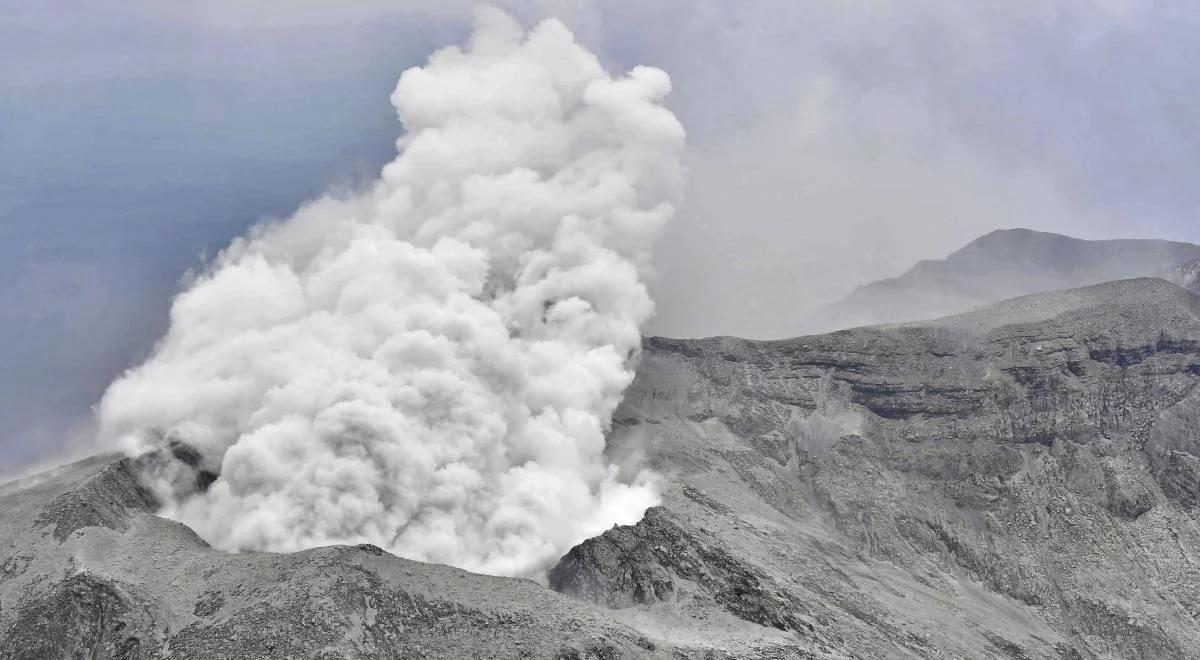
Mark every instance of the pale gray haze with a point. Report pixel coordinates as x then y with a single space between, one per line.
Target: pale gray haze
829 144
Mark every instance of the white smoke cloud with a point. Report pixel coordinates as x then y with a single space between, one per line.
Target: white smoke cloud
431 365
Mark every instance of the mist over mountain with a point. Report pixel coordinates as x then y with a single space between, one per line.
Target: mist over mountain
1188 276
421 414
1022 481
1004 264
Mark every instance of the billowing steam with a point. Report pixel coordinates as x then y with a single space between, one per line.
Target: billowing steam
431 365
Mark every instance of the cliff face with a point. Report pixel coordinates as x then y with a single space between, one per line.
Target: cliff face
1019 482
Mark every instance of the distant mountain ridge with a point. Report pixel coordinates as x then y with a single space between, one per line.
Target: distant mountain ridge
1005 264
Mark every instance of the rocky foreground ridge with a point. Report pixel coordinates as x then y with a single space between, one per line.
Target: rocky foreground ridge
1022 481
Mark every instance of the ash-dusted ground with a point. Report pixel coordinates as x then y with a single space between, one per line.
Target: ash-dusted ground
1018 482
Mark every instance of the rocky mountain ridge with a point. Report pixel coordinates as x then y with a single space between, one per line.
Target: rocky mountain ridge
1005 264
1021 481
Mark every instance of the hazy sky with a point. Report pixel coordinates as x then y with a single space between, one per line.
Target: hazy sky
830 143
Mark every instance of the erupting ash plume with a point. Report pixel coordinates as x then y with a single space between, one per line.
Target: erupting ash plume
431 365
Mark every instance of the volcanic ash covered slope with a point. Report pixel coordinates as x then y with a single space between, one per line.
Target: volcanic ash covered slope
1019 482
87 572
